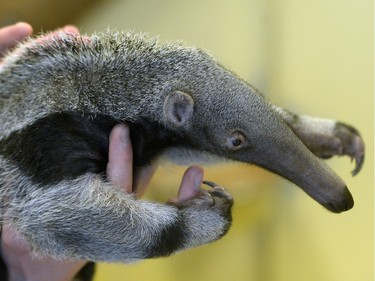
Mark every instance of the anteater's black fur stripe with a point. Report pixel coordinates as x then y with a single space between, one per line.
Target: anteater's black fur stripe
66 145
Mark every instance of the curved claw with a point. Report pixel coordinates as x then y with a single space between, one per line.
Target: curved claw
219 191
213 185
359 156
352 144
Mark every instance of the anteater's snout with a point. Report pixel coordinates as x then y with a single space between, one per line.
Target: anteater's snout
341 203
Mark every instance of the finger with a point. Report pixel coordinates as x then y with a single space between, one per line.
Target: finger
10 35
190 185
12 240
70 29
142 179
120 158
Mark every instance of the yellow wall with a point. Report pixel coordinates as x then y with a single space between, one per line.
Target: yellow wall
312 57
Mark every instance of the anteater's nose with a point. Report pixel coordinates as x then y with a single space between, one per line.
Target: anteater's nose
343 203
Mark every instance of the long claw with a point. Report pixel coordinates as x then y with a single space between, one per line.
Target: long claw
213 185
359 148
352 145
218 190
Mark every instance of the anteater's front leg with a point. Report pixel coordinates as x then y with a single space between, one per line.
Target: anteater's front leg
326 137
87 218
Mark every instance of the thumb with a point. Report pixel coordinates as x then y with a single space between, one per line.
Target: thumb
190 184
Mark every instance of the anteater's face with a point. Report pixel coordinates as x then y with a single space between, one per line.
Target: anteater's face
227 117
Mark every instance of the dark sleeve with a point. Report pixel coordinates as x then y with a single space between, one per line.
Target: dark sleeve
3 268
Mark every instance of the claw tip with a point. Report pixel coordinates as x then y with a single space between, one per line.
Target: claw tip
358 165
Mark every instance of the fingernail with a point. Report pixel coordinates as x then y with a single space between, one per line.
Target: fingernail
198 178
125 134
71 29
25 27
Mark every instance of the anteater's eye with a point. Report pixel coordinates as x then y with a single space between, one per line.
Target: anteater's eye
236 141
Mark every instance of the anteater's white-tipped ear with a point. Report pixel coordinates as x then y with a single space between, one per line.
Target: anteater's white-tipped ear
178 108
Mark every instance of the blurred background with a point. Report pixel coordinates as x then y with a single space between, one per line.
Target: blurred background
312 57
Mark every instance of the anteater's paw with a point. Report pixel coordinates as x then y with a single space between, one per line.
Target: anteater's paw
209 213
214 198
341 140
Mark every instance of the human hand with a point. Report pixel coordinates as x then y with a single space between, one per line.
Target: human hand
10 35
120 169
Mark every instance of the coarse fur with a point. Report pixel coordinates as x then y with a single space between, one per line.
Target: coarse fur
59 99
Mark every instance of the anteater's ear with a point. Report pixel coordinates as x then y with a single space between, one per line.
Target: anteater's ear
178 108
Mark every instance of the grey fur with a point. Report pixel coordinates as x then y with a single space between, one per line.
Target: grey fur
129 76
